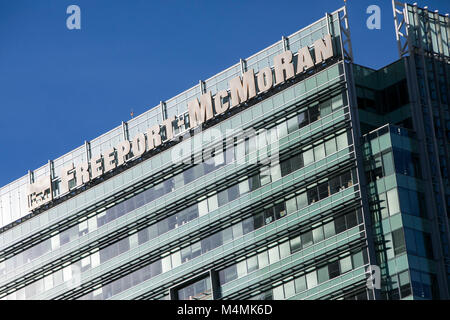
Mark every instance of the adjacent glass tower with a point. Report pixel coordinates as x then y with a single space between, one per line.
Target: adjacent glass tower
335 171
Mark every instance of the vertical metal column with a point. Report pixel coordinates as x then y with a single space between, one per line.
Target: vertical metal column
243 64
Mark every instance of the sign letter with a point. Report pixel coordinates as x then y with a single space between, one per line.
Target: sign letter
243 90
200 112
282 64
374 20
323 50
74 20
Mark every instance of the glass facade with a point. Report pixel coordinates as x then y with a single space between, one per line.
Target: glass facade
317 179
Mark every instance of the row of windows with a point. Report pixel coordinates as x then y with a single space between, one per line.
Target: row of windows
295 244
314 278
384 204
199 290
314 112
209 243
387 204
427 24
424 285
419 243
267 216
364 295
206 205
385 100
412 202
393 244
382 165
196 250
213 202
379 166
167 186
398 287
192 252
407 163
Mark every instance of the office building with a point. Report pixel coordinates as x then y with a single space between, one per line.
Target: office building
293 174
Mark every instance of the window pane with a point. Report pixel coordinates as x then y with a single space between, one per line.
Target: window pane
333 269
346 264
342 141
185 254
196 249
392 199
307 239
308 157
263 259
314 112
302 200
330 146
286 167
166 264
282 129
329 229
313 196
268 215
339 224
390 249
222 197
336 102
280 210
318 234
291 205
302 119
398 240
237 230
346 180
323 190
311 279
247 225
254 182
252 263
289 289
212 203
265 176
325 108
388 164
278 293
319 152
203 207
227 234
48 282
322 274
295 244
259 220
275 172
229 274
244 187
351 220
292 124
335 185
383 206
233 192
241 268
296 162
300 284
285 249
358 260
176 259
274 255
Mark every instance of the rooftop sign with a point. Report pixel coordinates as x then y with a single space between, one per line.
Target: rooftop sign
241 89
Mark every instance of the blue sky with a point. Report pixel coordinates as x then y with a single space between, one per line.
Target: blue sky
59 87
